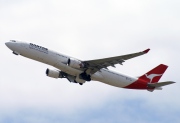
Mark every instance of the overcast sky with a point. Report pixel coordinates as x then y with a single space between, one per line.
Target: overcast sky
89 29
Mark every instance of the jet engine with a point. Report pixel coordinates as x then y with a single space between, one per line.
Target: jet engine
75 63
54 73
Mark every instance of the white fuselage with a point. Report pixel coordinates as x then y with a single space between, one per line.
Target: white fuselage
59 61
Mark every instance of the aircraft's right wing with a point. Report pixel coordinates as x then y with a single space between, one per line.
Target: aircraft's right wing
95 65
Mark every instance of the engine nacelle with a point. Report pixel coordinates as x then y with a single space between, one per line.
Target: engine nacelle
54 73
75 63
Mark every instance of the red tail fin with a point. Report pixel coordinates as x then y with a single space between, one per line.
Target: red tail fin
154 75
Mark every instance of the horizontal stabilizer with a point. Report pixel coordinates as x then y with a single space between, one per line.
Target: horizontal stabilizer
160 84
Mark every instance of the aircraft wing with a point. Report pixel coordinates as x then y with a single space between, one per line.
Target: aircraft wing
96 65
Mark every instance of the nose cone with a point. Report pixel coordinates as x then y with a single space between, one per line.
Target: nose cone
7 44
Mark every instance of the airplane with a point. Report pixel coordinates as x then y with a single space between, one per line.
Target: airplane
78 71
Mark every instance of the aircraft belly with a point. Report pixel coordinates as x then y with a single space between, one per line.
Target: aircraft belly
38 56
30 54
117 80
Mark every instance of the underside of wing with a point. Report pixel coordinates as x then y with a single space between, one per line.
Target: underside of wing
98 64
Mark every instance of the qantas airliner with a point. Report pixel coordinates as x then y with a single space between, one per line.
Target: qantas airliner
78 71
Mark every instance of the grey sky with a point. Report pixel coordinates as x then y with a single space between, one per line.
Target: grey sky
89 30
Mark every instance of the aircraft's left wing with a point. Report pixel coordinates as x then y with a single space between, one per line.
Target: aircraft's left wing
95 65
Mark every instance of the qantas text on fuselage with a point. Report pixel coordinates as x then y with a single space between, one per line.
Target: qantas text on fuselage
78 71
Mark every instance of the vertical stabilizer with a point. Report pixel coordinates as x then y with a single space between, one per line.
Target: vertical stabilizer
154 75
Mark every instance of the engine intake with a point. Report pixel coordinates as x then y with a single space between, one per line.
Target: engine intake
54 73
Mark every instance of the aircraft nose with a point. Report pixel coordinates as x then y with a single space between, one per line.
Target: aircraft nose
7 44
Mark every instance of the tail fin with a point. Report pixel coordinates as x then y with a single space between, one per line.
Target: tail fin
154 75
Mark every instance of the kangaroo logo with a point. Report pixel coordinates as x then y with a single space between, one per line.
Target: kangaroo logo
151 76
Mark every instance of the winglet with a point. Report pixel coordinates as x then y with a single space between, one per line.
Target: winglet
146 51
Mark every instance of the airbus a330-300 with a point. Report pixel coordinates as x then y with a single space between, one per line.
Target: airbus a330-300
78 71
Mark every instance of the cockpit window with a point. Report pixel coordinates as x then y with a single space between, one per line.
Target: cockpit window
13 40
